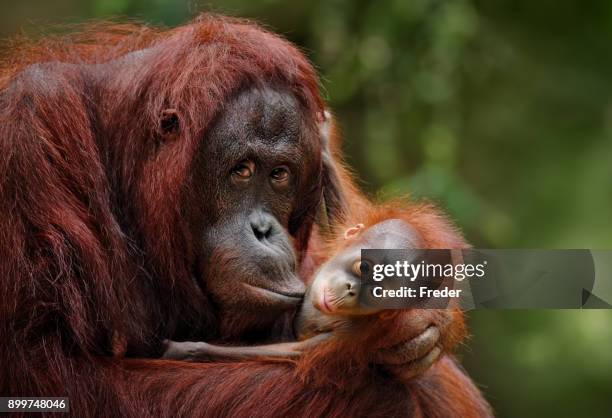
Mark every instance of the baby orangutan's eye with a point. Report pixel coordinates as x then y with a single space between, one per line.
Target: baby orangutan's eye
360 267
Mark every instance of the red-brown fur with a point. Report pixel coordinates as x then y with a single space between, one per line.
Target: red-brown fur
442 391
94 254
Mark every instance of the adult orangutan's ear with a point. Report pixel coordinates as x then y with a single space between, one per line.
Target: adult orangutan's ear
169 124
354 231
334 205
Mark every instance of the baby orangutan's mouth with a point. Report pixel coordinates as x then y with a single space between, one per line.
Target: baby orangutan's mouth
324 305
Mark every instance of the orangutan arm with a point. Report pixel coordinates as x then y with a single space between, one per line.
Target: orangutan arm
202 351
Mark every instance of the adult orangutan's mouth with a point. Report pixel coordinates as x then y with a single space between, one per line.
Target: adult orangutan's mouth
285 298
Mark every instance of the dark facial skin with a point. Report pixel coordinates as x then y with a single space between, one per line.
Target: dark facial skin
259 154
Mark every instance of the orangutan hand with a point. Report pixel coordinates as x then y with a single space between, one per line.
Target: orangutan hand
421 337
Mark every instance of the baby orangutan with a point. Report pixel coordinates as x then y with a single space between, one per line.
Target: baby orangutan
331 302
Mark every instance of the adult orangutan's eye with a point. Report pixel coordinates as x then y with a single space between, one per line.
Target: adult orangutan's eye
280 174
243 171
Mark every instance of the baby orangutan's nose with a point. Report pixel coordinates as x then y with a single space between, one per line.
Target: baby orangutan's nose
346 290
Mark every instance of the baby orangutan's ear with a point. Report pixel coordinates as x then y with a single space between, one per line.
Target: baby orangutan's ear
353 231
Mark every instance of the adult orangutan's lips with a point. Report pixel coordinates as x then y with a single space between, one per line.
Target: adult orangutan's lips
289 299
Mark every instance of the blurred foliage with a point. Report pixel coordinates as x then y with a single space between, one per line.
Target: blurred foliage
500 111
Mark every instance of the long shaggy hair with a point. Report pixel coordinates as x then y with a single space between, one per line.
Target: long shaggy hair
94 244
98 131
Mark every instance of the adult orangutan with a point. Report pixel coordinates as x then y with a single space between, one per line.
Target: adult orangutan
164 185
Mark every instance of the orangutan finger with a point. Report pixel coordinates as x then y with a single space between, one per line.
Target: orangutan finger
410 350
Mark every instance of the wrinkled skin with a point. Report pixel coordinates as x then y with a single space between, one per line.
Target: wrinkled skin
248 176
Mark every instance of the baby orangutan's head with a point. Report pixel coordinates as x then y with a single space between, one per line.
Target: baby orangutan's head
335 288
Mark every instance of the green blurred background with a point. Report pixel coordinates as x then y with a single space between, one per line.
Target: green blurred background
501 111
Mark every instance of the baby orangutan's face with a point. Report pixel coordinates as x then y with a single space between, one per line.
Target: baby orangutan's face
336 286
